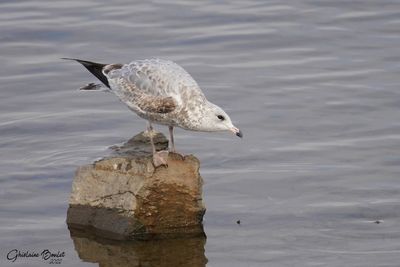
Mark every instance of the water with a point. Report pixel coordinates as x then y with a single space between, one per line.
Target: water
312 84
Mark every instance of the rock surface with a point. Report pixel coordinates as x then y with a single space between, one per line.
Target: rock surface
125 197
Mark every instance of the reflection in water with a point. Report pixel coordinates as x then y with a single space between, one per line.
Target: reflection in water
315 84
167 252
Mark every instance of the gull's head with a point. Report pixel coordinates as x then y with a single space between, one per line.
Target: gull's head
216 120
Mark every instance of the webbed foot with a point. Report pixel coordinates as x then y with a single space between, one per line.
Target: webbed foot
160 158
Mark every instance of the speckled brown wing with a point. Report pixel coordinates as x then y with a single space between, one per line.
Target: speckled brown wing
146 102
158 104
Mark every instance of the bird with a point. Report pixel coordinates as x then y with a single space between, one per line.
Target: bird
161 92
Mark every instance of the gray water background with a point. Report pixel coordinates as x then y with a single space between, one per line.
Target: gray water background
314 86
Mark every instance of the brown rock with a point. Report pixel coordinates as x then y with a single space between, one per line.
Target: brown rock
125 197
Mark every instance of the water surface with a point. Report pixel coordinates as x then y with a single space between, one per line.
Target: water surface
314 86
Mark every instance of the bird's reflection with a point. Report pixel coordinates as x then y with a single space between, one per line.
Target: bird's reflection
167 252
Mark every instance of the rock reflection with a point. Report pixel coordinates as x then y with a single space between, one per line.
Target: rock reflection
166 252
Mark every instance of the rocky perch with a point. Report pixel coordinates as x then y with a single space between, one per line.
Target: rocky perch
124 197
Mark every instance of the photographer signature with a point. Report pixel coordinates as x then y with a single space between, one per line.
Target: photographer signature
46 255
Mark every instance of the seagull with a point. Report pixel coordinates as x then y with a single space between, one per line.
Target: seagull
161 92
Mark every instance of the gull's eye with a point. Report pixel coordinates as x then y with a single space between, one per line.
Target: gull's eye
221 117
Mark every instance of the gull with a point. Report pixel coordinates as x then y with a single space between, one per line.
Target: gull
161 92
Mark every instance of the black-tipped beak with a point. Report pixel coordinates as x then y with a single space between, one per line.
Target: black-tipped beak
237 132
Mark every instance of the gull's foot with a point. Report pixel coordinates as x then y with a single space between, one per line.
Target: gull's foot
160 158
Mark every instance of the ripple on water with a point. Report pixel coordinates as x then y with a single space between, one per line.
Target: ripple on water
312 84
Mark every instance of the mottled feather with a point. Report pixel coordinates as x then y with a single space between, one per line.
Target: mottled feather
145 101
157 90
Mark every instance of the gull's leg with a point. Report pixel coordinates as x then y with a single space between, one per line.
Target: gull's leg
150 130
171 139
158 157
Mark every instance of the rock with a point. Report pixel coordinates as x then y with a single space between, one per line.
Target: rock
160 253
139 145
125 197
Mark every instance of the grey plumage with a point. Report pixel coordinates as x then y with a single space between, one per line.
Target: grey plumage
162 92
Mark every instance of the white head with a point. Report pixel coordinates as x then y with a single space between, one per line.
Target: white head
215 119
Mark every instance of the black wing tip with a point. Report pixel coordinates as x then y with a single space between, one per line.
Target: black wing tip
84 62
69 58
95 68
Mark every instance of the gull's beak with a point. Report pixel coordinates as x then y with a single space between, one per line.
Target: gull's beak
237 132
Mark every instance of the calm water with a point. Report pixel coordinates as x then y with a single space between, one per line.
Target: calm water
314 85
